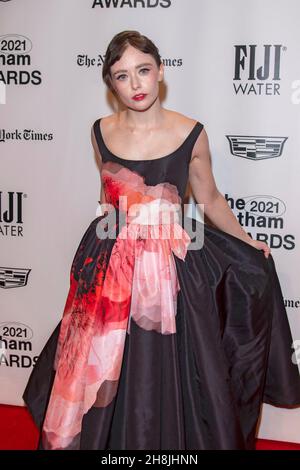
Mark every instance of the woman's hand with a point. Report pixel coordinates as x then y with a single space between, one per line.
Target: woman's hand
259 245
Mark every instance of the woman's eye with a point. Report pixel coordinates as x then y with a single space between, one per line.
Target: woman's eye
124 75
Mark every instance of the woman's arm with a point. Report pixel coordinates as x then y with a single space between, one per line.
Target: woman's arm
206 192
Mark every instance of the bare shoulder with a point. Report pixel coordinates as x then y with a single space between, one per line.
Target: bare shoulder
175 121
177 127
180 122
201 149
185 124
109 122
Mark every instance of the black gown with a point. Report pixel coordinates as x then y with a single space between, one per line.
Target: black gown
160 346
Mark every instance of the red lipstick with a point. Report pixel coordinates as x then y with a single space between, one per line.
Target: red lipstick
139 97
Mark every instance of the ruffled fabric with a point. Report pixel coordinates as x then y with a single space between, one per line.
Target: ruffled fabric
138 281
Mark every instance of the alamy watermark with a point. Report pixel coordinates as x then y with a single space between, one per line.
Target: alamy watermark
158 219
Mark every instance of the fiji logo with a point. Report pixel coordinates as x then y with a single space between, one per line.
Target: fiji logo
13 277
255 147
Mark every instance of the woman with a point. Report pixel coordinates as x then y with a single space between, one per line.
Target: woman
174 332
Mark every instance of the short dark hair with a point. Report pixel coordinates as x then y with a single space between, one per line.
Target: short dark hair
117 46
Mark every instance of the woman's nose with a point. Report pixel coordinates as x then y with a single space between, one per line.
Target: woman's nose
135 82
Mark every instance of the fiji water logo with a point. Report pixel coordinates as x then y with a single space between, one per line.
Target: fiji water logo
256 147
11 213
11 206
257 69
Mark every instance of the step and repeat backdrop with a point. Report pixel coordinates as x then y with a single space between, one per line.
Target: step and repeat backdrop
233 65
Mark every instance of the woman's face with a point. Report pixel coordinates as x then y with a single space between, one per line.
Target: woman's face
136 73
